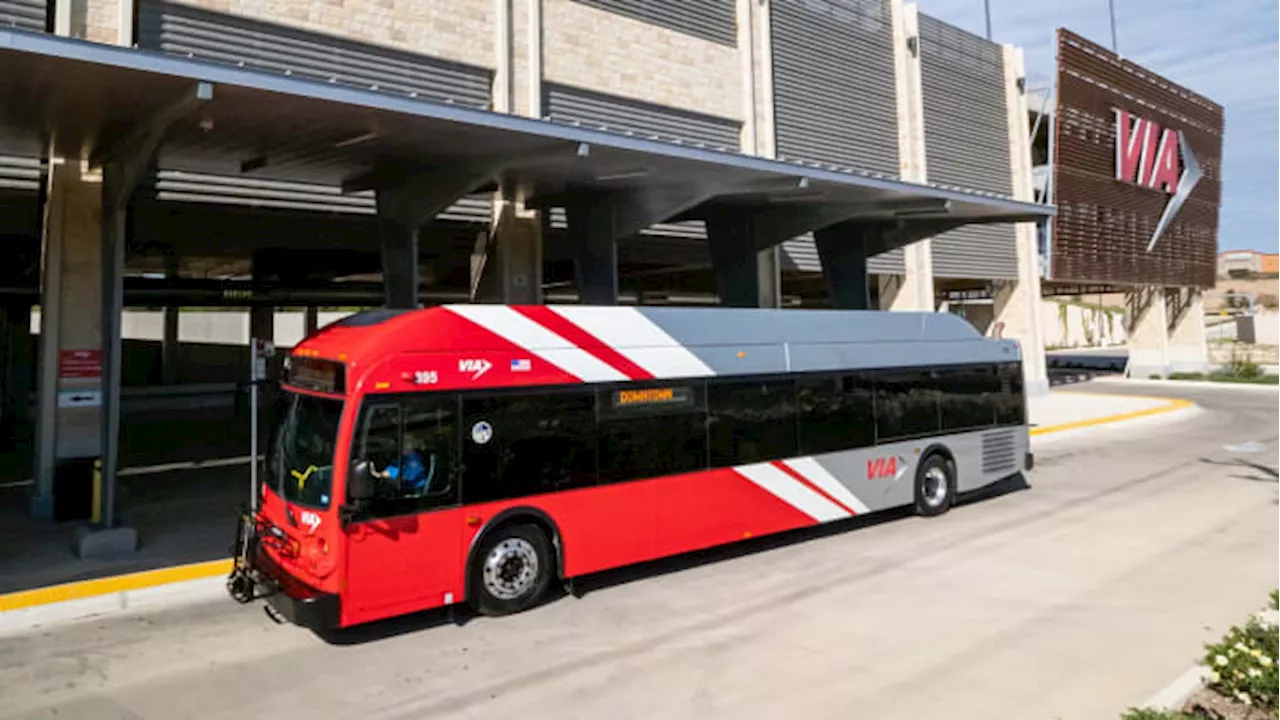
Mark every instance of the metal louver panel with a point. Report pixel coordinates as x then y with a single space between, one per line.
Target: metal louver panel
19 173
24 14
713 20
801 255
217 37
966 130
999 451
966 115
688 229
834 85
574 106
168 185
988 252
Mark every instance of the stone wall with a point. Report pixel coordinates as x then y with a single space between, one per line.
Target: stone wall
608 53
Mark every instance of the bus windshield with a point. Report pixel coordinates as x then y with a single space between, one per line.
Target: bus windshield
300 456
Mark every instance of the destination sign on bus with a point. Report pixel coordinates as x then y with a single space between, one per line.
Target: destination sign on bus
652 396
314 374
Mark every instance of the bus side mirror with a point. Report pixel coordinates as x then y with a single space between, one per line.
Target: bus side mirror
360 482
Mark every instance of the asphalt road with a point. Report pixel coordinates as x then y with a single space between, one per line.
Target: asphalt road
1075 598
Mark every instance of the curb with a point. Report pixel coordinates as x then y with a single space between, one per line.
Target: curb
1196 384
27 609
1176 693
1170 405
203 581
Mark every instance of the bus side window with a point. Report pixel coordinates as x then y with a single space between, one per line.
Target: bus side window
1010 406
906 405
834 412
411 447
968 397
380 443
652 430
751 421
430 449
526 444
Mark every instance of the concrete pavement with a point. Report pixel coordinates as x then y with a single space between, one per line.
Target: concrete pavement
1074 599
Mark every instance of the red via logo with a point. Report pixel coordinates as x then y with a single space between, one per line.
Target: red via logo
1160 159
1146 154
878 468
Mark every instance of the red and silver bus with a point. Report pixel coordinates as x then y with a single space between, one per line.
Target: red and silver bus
479 453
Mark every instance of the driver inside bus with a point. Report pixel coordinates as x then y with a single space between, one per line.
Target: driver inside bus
414 474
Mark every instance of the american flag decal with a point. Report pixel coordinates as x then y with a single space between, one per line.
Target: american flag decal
521 365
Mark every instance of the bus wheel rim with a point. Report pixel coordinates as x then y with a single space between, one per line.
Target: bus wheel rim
510 569
936 486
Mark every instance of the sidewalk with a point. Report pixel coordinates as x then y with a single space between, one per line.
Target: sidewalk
186 518
1075 409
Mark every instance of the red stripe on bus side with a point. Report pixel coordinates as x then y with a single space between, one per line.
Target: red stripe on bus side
556 323
807 483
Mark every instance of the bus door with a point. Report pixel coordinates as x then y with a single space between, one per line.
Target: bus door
404 546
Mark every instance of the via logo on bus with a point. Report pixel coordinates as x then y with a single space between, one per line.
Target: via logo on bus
886 467
474 366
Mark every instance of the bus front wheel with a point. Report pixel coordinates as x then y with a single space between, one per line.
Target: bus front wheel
935 485
511 570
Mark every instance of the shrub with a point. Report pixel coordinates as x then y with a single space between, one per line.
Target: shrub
1275 599
1243 665
1150 714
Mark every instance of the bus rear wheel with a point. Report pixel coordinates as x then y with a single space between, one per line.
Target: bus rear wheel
935 485
511 569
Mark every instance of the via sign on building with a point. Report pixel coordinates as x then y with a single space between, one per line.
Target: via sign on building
1156 158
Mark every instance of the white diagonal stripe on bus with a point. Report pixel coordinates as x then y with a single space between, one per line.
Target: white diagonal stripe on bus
529 335
629 333
792 492
811 470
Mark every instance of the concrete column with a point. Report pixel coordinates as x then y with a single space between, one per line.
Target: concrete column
519 254
169 347
1148 332
843 251
745 277
399 263
755 46
1017 305
70 319
15 354
1188 348
262 322
595 250
169 336
913 290
310 321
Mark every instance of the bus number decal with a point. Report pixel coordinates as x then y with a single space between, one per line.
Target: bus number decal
426 377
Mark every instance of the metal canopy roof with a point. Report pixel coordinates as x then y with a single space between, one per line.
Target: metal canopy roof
88 96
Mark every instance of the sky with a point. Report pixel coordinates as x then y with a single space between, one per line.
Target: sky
1226 50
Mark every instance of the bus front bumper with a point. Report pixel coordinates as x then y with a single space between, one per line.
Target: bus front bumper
256 575
320 611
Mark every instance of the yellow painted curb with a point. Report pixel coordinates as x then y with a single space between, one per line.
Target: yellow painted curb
1171 404
113 584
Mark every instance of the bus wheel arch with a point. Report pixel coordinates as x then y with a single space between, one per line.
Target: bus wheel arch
504 523
930 499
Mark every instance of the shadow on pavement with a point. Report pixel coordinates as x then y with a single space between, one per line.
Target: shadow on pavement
1264 473
581 586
